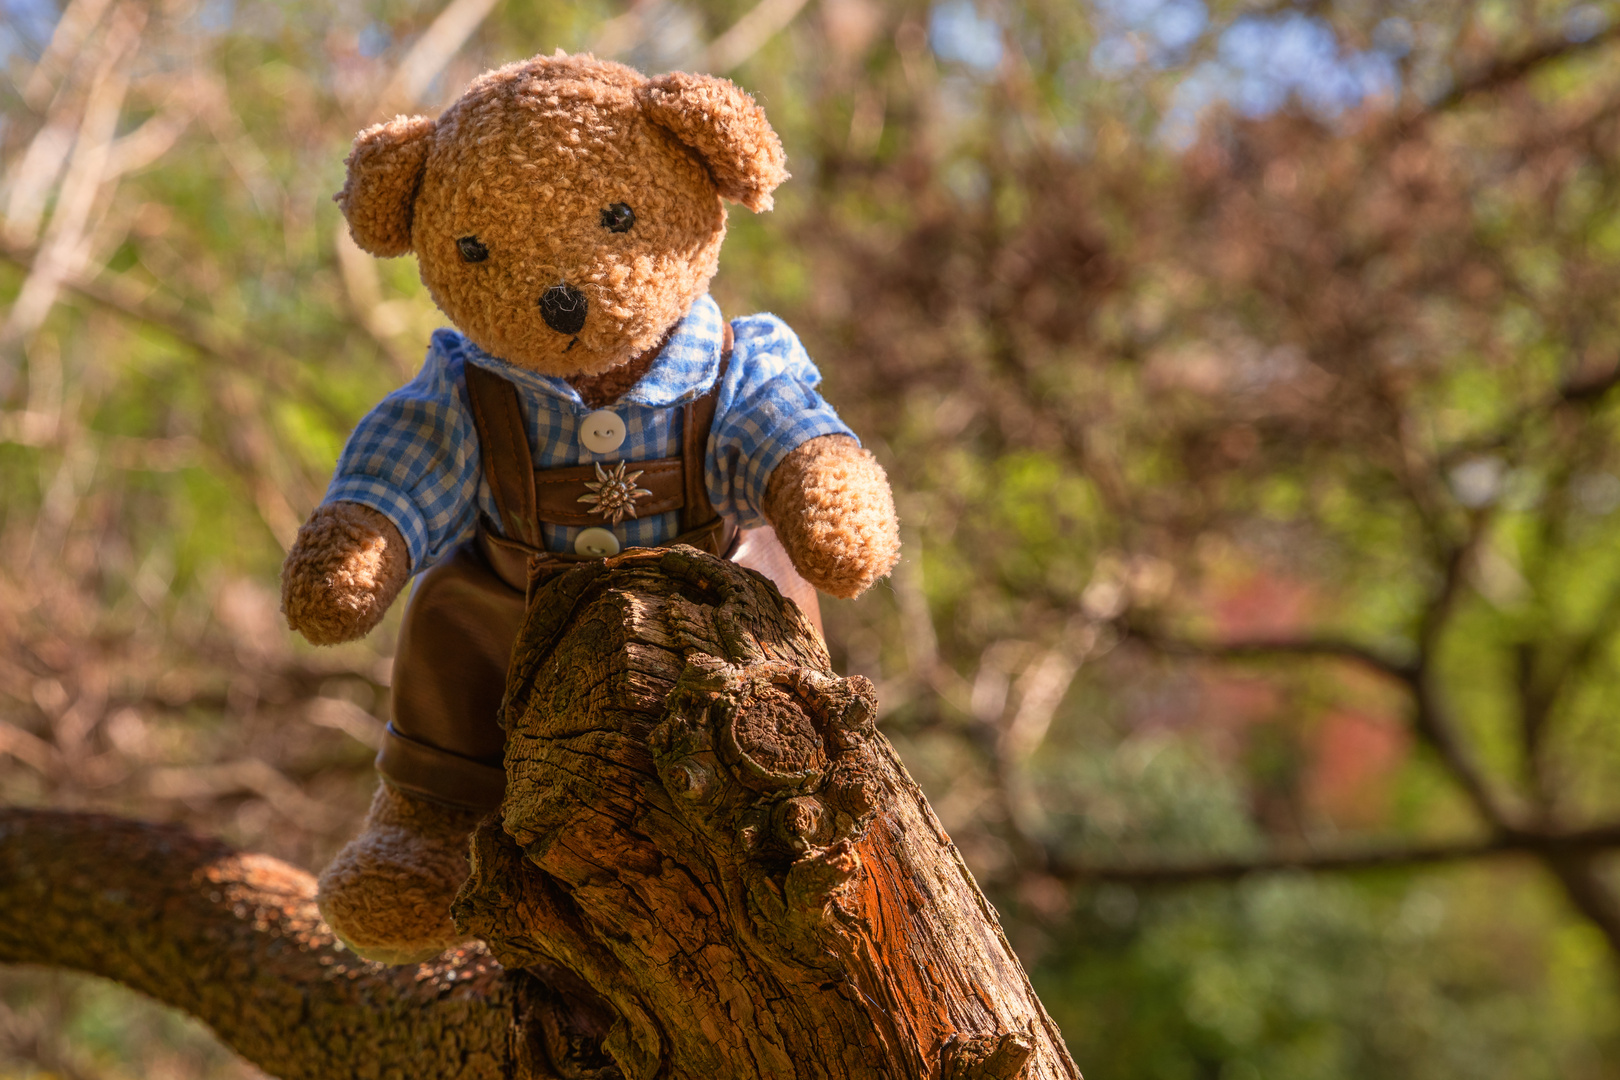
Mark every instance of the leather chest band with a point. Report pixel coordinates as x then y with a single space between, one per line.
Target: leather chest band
527 498
557 491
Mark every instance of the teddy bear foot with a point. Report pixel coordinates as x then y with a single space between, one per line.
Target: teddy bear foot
387 893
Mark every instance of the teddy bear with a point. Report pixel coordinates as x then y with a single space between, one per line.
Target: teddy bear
566 214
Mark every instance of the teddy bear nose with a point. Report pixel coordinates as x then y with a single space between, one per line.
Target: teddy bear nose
563 308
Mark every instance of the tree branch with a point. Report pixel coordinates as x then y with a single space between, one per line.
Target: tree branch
705 845
1542 691
1431 716
749 34
235 940
1584 884
1505 71
704 825
1265 648
1572 844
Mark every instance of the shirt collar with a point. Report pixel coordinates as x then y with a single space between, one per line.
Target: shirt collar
684 370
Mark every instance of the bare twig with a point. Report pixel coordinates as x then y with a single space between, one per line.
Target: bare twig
1582 390
29 180
459 20
75 25
921 641
248 775
749 34
1017 729
1542 686
154 138
363 287
27 748
1577 871
247 161
80 187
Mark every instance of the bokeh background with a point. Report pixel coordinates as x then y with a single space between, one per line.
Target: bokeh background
1244 368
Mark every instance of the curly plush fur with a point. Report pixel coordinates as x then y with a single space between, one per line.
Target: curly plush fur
830 504
525 172
346 566
526 162
729 132
385 168
387 894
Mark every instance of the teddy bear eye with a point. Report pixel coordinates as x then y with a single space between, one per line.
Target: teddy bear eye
618 218
472 249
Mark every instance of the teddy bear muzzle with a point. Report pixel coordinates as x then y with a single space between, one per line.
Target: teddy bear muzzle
564 307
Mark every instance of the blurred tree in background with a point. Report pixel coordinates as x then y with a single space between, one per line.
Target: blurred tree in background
1245 372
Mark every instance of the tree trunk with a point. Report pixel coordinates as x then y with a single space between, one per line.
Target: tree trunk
703 825
708 865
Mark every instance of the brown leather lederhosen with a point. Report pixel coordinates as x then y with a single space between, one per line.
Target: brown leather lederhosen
527 497
445 742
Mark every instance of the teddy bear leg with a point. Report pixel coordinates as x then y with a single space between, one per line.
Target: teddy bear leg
387 894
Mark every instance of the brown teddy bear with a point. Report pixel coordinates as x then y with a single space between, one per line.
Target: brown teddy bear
566 215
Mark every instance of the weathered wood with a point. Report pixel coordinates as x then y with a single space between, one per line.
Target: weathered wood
235 940
709 865
704 827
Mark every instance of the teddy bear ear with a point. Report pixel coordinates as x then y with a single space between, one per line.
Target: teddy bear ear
385 170
729 132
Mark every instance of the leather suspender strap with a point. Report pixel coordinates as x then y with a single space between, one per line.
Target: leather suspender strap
526 498
696 422
504 445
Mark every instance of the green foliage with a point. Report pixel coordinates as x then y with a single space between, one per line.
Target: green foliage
1303 977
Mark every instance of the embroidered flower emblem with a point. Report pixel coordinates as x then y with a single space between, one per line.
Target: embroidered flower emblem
614 493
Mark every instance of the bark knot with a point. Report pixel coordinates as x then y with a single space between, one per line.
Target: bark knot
771 765
986 1057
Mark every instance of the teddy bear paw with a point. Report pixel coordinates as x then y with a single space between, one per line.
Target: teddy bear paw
830 504
387 894
346 566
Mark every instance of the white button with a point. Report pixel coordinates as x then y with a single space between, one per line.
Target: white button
596 544
602 432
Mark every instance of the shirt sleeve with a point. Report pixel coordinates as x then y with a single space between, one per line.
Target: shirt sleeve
768 407
414 459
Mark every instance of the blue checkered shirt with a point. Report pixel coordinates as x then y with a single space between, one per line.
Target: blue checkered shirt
415 457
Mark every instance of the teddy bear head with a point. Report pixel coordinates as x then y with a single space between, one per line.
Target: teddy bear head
566 211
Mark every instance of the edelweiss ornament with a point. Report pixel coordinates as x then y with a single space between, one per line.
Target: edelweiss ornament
615 493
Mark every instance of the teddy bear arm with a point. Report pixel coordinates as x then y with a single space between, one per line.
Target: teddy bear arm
830 504
346 566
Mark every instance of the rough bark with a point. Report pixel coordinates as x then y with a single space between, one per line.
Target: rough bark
235 940
709 865
703 825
